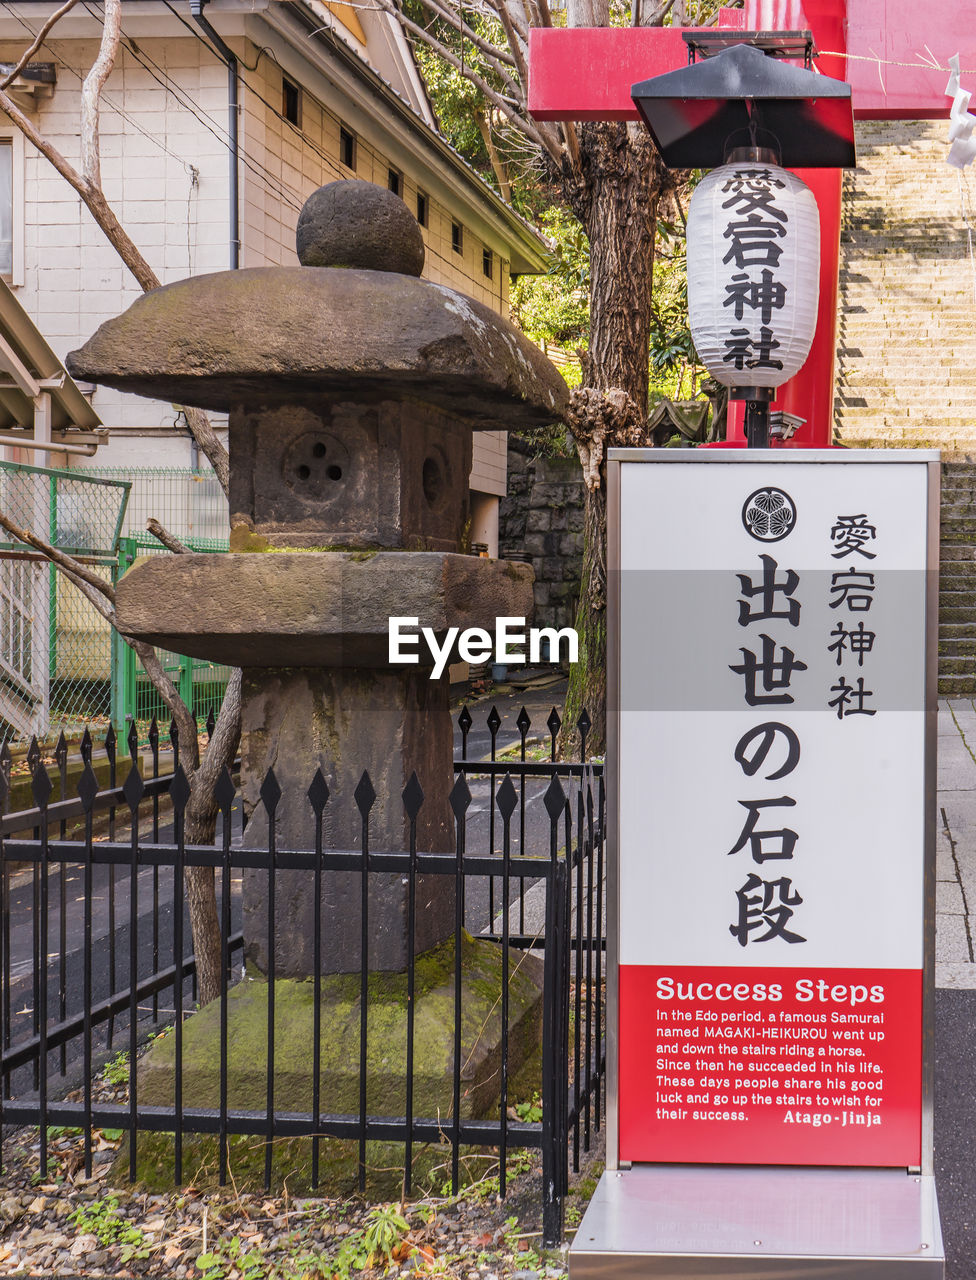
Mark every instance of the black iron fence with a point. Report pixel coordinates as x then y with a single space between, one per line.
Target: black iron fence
96 954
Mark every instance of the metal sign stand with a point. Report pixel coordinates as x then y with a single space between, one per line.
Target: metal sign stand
772 728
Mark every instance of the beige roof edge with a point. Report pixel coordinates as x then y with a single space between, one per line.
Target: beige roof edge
26 358
529 248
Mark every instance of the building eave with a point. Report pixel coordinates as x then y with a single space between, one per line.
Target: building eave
528 247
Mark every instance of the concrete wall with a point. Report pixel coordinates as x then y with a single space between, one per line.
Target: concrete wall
165 171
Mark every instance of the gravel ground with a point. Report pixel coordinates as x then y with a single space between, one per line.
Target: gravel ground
67 1225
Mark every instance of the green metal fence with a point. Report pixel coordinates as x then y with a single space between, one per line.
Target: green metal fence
193 507
61 665
201 684
191 504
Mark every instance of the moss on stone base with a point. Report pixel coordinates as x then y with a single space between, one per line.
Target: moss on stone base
291 1165
386 1022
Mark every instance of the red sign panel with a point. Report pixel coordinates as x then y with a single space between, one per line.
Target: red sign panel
778 1066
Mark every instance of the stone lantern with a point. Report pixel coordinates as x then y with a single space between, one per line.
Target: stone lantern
352 388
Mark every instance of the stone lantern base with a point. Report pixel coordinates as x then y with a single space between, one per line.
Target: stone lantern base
481 1040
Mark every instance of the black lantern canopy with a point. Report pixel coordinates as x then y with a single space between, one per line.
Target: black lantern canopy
744 96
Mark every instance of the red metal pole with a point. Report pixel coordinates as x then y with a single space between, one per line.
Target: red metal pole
810 394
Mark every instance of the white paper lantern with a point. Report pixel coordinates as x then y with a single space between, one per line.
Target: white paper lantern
753 273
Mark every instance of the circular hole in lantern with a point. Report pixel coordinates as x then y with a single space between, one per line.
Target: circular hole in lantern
433 481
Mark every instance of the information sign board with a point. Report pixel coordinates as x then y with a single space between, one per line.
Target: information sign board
772 754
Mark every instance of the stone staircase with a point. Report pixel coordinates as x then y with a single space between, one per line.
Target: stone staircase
957 579
906 357
906 354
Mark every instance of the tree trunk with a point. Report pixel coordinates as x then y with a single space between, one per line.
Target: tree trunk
200 826
617 201
624 180
588 678
201 901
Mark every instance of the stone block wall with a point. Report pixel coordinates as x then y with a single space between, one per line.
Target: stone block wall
541 521
906 342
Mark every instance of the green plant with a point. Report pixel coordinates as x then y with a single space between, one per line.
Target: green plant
230 1255
384 1230
530 1112
102 1219
351 1258
55 1131
117 1071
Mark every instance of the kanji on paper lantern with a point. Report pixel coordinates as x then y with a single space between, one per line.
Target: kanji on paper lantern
753 273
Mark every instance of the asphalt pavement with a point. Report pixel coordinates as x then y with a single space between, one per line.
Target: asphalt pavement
955 975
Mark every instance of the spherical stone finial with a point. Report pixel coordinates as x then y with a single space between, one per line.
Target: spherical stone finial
358 224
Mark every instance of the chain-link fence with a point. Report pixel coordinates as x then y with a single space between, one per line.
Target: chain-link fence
190 504
55 652
61 665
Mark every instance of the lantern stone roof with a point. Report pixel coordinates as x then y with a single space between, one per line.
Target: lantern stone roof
275 335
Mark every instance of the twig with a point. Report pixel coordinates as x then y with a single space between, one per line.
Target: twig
55 17
60 558
169 540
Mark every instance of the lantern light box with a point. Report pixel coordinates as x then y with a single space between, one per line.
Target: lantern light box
753 273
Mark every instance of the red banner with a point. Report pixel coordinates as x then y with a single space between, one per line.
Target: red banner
770 1066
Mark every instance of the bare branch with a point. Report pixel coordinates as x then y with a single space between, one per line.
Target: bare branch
505 13
533 132
447 15
91 91
541 7
489 51
63 561
169 540
95 598
463 67
497 163
224 741
154 669
94 200
573 148
517 40
25 57
656 18
213 447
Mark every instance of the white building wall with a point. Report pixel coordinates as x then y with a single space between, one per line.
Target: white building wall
165 171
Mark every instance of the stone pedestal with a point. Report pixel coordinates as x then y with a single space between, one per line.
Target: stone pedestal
338 706
345 721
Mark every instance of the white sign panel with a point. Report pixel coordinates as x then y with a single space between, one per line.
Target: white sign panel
771 806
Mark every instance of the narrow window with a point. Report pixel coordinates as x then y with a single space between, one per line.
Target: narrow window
291 102
457 243
422 208
395 182
347 147
6 207
487 265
